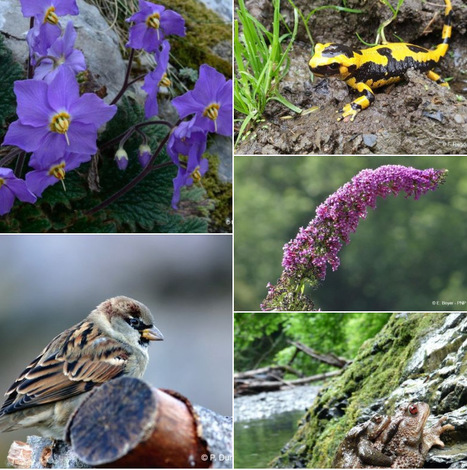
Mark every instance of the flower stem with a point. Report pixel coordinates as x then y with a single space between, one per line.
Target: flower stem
139 177
127 76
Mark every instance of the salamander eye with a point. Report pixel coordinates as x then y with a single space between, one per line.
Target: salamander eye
413 409
334 66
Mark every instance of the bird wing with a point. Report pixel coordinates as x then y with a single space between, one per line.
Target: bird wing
73 363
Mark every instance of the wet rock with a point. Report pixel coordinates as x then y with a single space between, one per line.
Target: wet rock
424 359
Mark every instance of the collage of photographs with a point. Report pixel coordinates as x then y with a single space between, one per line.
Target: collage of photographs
257 256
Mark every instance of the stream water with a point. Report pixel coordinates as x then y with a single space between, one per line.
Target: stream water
265 422
257 442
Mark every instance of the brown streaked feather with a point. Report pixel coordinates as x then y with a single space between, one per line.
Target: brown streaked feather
68 366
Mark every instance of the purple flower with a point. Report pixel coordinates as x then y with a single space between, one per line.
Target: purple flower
48 169
53 117
155 79
152 24
48 10
144 154
11 187
121 157
306 257
210 101
186 178
66 56
40 38
186 146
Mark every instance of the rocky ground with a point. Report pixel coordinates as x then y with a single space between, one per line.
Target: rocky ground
414 117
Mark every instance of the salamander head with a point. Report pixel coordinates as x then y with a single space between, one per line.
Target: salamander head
332 59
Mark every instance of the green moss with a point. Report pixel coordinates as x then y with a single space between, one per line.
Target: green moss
204 29
221 217
376 371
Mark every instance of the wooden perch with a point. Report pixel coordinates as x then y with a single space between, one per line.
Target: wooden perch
329 358
126 423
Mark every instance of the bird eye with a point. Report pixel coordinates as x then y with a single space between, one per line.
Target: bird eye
134 322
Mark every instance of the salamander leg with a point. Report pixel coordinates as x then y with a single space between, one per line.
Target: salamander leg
362 102
436 78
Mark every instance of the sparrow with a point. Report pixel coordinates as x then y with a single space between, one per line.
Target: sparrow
112 341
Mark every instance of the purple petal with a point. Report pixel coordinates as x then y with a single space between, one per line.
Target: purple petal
186 104
25 137
65 7
90 109
82 138
38 180
21 190
136 36
33 108
63 90
7 198
172 23
32 7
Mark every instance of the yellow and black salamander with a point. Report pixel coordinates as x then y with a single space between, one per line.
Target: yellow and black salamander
367 69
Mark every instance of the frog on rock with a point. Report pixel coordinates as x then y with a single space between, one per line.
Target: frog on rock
400 441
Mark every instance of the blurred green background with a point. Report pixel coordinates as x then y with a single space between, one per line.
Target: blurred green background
406 255
51 282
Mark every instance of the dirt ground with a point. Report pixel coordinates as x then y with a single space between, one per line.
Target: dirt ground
416 116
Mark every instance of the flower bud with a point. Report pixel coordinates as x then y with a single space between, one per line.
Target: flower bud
144 154
121 157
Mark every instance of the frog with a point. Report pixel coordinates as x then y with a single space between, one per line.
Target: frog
358 447
411 441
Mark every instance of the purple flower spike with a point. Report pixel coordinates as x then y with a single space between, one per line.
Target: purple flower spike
210 101
66 56
306 257
48 10
54 118
155 79
152 24
185 147
12 187
49 170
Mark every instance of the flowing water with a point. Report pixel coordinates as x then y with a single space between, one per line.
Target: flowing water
258 441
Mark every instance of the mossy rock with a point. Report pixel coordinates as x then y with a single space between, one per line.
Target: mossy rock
395 365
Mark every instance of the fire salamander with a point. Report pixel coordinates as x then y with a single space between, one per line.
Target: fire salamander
367 69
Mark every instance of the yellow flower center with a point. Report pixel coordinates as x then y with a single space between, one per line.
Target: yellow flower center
59 172
60 123
1 182
212 112
153 21
50 16
165 81
196 175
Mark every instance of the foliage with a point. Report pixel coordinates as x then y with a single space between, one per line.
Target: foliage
146 208
402 257
262 339
261 64
9 72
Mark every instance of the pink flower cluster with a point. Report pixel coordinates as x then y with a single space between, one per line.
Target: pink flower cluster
306 257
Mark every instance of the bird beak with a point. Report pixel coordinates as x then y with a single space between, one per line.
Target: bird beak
152 334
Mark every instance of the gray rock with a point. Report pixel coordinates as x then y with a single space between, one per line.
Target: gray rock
95 38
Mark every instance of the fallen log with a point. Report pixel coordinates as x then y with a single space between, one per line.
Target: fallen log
328 358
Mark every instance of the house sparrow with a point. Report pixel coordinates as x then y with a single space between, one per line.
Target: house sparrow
110 342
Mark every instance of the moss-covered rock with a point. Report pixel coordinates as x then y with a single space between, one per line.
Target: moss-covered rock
416 356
